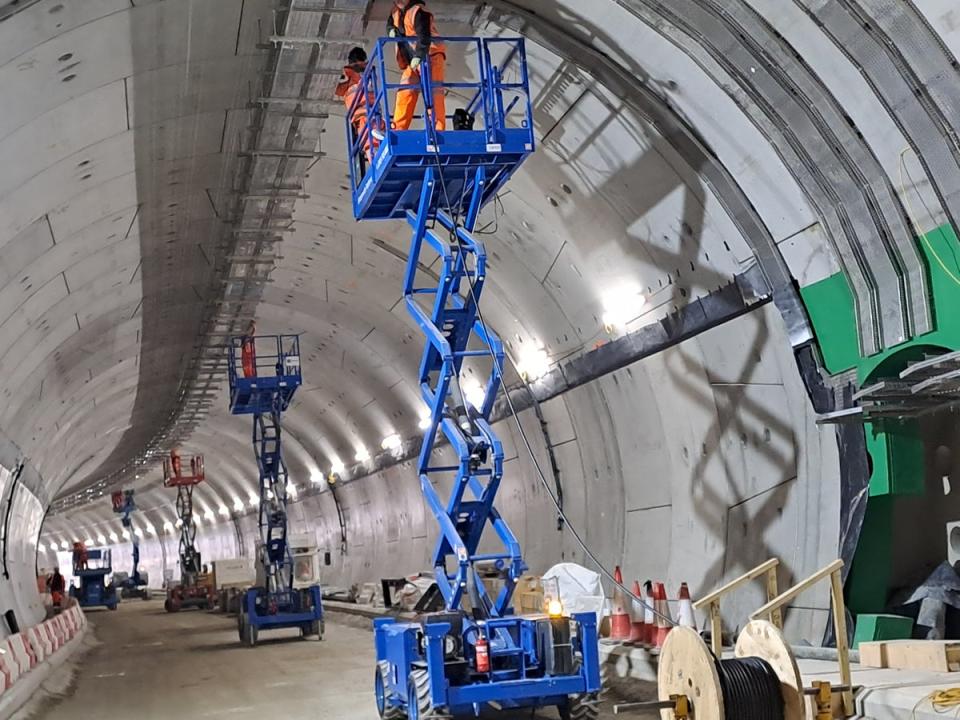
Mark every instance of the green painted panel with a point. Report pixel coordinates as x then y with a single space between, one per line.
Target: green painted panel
896 454
869 580
829 304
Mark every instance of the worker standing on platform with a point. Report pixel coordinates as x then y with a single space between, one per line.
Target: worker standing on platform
347 88
248 352
411 19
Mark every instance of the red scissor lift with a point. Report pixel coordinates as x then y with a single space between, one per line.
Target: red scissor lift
195 588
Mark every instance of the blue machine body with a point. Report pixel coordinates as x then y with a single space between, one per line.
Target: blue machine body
438 181
264 373
94 591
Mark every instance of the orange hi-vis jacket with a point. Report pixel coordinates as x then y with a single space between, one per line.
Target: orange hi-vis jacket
347 89
416 22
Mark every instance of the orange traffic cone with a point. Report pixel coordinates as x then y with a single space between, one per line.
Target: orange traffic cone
649 619
619 618
638 630
663 613
685 616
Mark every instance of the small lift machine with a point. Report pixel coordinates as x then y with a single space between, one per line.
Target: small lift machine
459 661
195 589
92 568
264 374
135 586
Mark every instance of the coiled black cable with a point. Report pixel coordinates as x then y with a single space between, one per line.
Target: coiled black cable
751 689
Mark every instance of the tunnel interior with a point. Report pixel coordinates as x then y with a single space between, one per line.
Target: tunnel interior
728 273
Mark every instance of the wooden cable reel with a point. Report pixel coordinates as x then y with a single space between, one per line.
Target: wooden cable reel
687 667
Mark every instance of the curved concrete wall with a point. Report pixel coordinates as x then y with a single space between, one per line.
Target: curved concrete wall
670 160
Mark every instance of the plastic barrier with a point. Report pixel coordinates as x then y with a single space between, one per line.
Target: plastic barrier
9 667
52 637
18 649
39 642
57 628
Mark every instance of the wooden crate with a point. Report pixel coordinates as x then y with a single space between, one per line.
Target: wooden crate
528 595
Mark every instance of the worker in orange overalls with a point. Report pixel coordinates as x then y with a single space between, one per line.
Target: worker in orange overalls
411 19
248 353
80 557
175 464
347 89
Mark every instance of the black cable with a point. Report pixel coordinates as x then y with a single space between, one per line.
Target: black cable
751 689
431 128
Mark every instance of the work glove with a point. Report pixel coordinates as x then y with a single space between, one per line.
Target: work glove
415 63
393 32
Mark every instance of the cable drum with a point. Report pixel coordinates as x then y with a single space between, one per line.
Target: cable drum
751 689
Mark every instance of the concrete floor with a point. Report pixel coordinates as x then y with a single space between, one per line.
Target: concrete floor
151 664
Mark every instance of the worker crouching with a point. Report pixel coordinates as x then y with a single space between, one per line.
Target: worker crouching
411 19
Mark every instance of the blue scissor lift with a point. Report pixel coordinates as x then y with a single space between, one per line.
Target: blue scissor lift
136 584
439 181
94 590
264 374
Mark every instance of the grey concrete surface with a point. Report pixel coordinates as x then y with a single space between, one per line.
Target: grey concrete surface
152 665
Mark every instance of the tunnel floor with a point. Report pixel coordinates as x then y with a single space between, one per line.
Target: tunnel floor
152 664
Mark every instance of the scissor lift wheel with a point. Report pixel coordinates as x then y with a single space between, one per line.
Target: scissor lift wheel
381 685
418 695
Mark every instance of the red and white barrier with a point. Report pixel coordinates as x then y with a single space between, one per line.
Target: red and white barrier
18 648
42 647
9 667
54 639
23 651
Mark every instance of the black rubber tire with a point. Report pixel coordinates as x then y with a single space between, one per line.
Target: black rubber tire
389 712
418 688
241 627
316 628
581 707
251 635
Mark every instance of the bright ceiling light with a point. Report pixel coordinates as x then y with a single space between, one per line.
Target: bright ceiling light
238 505
178 524
291 489
223 510
138 532
253 500
41 548
114 537
533 363
151 529
424 420
88 542
316 477
64 545
621 307
125 534
101 540
336 466
473 393
391 442
208 514
362 454
168 526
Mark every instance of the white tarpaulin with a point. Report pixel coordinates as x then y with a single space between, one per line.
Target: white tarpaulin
580 589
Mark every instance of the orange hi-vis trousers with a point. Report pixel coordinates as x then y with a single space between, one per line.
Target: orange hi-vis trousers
406 105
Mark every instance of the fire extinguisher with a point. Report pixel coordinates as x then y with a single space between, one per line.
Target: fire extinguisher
483 653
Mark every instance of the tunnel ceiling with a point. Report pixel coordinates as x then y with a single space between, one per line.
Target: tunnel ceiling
679 145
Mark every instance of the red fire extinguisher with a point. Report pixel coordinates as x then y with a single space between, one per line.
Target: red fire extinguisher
483 654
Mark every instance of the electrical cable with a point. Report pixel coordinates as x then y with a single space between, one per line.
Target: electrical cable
751 689
431 128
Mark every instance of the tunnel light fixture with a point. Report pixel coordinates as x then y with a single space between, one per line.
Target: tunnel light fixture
208 515
269 494
316 477
114 537
138 532
151 529
533 363
167 526
88 542
336 466
178 524
424 420
621 307
473 392
223 510
41 548
125 534
101 540
238 505
197 521
253 500
64 545
391 442
291 489
362 454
